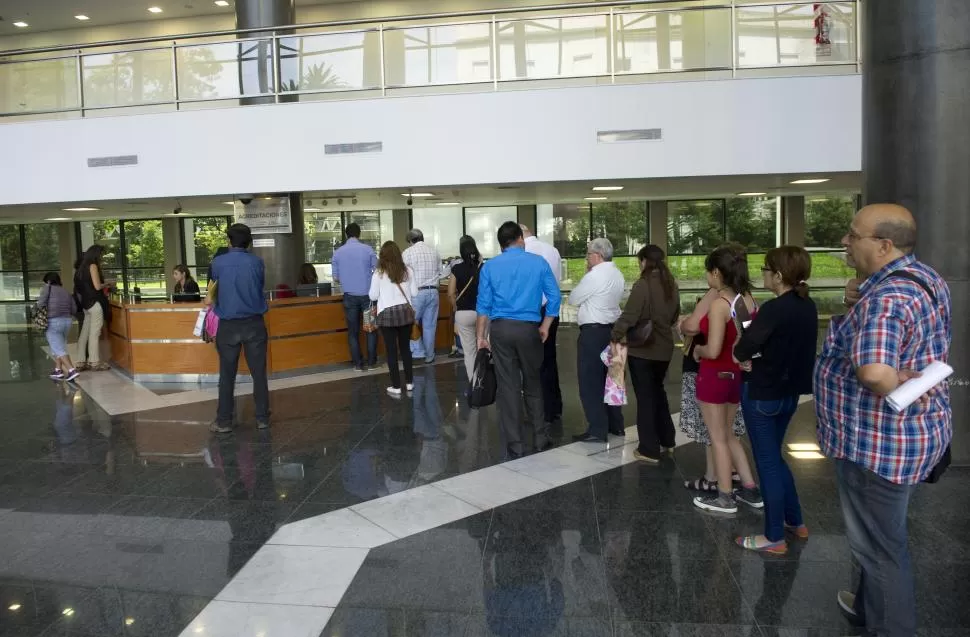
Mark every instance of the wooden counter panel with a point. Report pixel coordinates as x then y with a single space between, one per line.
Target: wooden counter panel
119 321
120 352
178 358
305 319
156 325
308 351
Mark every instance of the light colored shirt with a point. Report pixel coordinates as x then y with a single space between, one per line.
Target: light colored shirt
550 254
598 295
426 263
388 294
512 285
352 266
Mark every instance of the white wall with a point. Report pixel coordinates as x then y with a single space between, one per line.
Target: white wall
752 126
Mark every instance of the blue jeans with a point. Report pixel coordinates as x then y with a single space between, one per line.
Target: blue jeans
426 313
767 422
57 329
875 525
354 308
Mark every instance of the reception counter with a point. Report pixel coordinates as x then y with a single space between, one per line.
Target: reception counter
153 342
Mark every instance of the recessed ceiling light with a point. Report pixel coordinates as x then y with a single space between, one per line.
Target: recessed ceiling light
447 203
21 24
129 621
82 18
154 9
67 612
229 203
58 219
417 194
222 3
594 198
607 188
821 180
312 210
80 209
751 194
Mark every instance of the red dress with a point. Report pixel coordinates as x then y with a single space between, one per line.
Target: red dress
719 380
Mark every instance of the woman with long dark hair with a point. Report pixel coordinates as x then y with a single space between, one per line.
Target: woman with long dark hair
186 289
393 286
463 294
780 344
89 287
655 297
719 379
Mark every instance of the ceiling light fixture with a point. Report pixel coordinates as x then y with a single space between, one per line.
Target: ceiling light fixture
129 621
82 18
58 219
312 210
67 612
448 203
594 198
80 209
20 24
751 194
222 3
820 180
607 188
417 194
229 203
154 9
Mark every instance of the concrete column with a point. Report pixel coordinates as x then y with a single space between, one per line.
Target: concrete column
67 252
401 223
916 104
793 221
527 215
256 72
657 223
286 253
172 242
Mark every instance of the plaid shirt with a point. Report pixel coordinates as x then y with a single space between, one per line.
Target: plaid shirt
426 263
895 323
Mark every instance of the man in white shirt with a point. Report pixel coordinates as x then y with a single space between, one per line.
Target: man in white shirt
425 261
549 372
598 297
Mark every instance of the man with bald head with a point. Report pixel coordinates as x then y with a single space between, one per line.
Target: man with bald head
899 324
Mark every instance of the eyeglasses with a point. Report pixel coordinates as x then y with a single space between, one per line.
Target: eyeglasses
855 236
766 269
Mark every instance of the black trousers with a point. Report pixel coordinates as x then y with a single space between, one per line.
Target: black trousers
247 334
654 424
517 354
601 418
397 342
549 374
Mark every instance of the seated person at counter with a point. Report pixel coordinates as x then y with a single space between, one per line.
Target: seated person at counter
186 289
308 283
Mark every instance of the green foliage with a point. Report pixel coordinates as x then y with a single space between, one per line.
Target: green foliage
210 235
317 77
827 220
750 221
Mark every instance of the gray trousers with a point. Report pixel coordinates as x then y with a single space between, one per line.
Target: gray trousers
517 354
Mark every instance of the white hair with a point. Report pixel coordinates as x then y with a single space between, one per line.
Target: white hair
602 247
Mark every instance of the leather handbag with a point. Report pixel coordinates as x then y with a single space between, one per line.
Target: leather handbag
415 326
40 318
640 334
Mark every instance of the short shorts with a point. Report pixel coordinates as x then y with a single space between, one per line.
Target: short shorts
715 390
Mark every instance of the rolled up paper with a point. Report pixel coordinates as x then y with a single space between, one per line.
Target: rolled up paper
911 391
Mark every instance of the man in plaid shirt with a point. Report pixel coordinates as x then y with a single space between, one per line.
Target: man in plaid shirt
425 261
899 325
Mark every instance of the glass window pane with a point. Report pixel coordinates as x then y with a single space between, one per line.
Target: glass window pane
694 227
651 42
10 258
624 223
105 233
128 78
445 54
752 222
11 286
151 282
482 224
554 47
330 62
442 228
323 232
145 259
783 34
827 219
371 232
212 71
203 236
35 281
43 247
829 269
39 85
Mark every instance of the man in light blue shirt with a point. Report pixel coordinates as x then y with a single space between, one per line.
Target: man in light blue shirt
352 266
510 292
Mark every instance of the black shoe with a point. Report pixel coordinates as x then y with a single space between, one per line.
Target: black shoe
546 446
618 432
587 437
262 423
217 428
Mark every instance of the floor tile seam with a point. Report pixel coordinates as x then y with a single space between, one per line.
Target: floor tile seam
257 603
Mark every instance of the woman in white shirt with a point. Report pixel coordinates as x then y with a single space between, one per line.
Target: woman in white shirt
393 286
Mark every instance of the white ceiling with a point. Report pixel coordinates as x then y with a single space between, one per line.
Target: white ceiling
494 195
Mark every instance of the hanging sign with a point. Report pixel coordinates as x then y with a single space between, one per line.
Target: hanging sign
265 215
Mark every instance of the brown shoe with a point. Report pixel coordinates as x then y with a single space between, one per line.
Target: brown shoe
100 367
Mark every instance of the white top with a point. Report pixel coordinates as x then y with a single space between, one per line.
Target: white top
598 294
550 254
426 263
387 294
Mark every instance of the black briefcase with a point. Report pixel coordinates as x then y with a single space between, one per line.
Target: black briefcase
484 384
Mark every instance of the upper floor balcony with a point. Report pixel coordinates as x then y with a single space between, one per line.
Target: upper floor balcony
574 44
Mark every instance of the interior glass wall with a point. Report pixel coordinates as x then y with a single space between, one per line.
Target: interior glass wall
827 219
442 226
324 233
106 233
201 237
11 264
41 247
482 224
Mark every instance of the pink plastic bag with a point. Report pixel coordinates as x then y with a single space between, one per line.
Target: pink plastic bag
211 326
614 357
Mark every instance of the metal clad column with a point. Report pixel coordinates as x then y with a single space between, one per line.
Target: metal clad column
916 149
256 58
286 254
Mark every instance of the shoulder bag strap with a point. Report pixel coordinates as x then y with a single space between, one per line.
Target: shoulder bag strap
467 285
404 294
903 274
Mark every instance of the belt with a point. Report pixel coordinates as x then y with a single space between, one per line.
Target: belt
599 325
428 287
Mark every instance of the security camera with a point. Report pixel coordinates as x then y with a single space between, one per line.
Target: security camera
354 201
246 200
177 211
410 201
340 202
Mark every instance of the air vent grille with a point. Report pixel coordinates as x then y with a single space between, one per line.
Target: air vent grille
107 162
632 135
349 149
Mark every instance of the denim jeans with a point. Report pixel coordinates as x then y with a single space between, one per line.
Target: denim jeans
875 525
426 313
235 335
354 308
57 329
767 422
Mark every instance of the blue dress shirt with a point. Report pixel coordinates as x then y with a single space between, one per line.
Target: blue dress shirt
512 284
241 276
352 265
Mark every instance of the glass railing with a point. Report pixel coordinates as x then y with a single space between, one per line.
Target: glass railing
627 42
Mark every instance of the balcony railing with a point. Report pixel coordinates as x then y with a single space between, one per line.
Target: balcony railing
598 43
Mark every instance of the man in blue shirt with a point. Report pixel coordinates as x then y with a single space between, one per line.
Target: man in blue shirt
510 291
352 266
240 305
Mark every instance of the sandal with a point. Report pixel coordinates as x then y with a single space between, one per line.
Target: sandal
100 367
750 542
701 484
801 532
82 367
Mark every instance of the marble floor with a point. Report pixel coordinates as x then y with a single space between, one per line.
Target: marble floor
359 514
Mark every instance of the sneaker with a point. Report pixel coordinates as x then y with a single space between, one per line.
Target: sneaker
429 361
847 605
71 375
359 368
645 458
456 354
217 428
409 386
750 496
717 502
374 366
394 392
262 423
56 375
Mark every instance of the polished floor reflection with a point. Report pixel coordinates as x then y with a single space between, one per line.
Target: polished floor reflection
132 524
